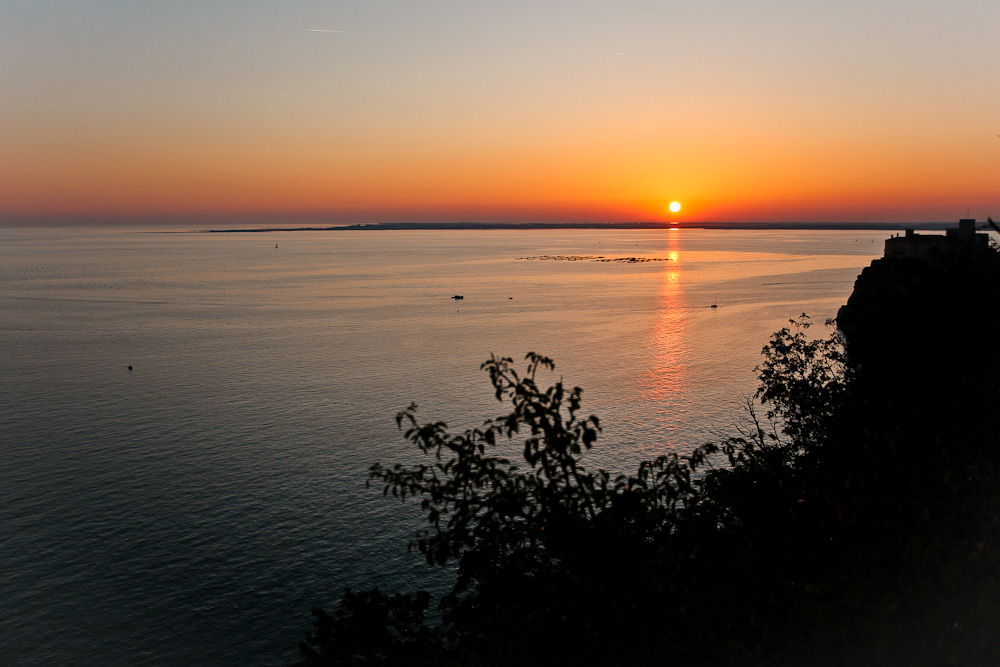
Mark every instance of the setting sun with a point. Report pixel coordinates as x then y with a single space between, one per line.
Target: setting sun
675 206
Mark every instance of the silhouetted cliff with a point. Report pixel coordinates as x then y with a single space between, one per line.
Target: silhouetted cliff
923 331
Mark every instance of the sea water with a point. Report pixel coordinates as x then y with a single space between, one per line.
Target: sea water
192 509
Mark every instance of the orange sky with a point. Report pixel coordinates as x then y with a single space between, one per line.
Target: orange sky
602 111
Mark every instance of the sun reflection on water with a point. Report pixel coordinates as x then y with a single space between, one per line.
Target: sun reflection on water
667 341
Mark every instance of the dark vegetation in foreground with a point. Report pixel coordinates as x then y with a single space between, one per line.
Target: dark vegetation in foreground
854 520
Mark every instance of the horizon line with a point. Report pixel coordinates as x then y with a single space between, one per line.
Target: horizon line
472 225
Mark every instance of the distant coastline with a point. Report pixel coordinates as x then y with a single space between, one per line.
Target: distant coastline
798 226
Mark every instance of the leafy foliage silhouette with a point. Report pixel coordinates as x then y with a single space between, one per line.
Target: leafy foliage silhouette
473 497
803 380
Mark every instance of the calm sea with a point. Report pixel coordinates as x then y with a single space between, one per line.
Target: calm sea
193 510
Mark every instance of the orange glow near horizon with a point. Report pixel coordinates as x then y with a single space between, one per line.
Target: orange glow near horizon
108 169
224 180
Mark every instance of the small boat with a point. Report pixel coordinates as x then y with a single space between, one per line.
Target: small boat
458 296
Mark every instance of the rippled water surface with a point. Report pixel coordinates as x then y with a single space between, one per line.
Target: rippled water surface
193 510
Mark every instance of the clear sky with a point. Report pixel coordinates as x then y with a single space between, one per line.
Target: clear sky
540 110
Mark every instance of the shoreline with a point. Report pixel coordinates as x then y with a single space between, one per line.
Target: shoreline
796 226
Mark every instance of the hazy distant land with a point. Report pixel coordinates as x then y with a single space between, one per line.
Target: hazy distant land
383 226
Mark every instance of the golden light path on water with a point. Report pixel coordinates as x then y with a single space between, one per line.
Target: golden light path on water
669 350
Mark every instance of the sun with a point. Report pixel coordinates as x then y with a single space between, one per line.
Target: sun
675 206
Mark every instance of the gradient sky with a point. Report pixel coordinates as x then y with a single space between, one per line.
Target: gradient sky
373 110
